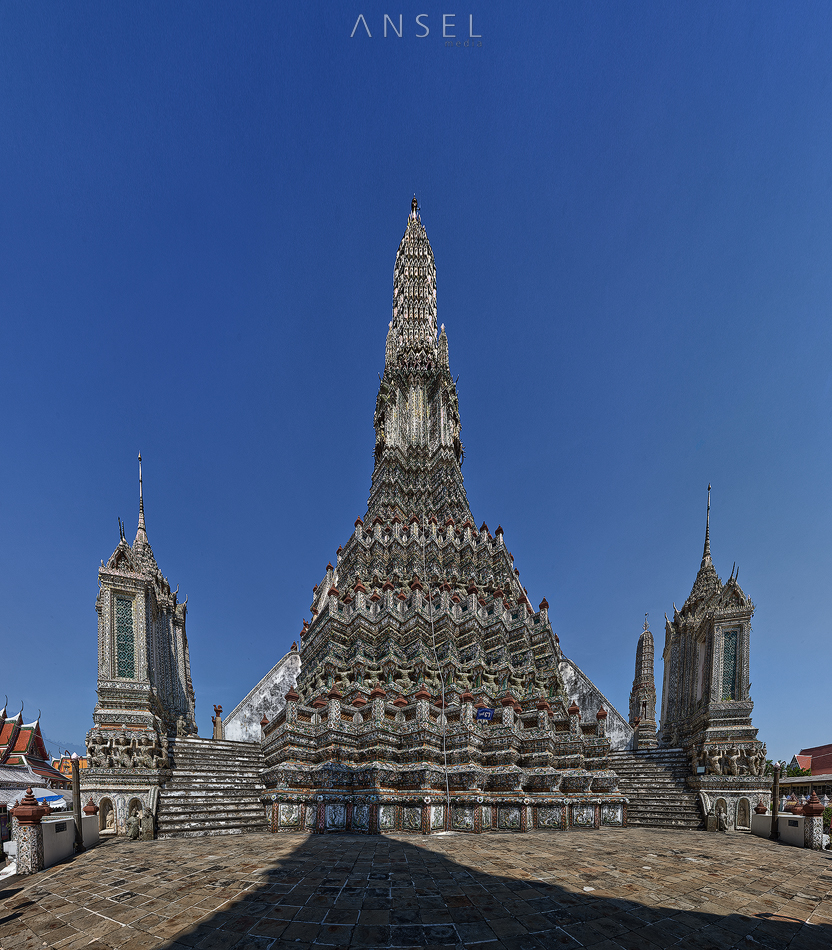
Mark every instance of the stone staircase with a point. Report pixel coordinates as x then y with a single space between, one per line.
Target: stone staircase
214 790
654 782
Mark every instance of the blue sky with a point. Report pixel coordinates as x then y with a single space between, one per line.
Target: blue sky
630 207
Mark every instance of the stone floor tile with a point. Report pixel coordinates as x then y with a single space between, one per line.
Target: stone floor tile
219 940
253 942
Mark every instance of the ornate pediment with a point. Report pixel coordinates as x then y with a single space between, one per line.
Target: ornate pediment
122 559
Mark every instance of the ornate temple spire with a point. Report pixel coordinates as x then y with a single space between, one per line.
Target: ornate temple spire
707 580
418 450
414 291
643 693
706 553
141 532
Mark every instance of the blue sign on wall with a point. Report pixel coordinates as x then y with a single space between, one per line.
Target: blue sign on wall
487 714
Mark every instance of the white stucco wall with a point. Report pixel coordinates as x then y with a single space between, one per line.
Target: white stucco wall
267 698
58 844
589 699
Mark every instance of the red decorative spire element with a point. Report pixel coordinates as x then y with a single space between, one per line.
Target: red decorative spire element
601 714
29 812
544 604
574 709
292 696
264 721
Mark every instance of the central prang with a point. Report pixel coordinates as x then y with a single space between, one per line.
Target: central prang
420 630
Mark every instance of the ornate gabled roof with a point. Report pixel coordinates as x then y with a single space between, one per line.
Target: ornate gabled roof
708 592
732 595
137 559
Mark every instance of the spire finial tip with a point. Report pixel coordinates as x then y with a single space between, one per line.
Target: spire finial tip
141 529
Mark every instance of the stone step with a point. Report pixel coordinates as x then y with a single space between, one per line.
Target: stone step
219 803
216 816
211 832
191 778
650 815
218 791
195 829
654 782
215 789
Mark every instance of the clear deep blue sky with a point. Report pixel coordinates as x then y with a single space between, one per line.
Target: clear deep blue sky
630 206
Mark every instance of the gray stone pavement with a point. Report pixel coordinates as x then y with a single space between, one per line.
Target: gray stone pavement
609 889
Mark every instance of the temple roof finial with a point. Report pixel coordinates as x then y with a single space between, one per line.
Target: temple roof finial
707 581
414 206
646 624
142 531
707 551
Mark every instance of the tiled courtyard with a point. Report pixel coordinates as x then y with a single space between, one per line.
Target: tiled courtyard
605 889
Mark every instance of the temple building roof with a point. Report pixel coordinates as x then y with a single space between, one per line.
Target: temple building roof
22 746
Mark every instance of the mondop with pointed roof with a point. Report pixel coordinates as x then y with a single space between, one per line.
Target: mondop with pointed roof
706 703
145 693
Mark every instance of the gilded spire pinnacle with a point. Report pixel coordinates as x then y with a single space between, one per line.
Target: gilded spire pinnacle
706 553
141 533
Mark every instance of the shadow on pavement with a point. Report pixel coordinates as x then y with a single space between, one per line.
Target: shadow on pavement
540 890
383 892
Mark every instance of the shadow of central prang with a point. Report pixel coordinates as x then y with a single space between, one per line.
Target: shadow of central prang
374 891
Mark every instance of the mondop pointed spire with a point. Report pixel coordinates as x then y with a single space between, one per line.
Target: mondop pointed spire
141 533
707 580
706 553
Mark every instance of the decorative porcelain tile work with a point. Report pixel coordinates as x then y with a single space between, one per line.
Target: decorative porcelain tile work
425 672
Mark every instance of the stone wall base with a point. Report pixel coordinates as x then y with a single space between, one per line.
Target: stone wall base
322 814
